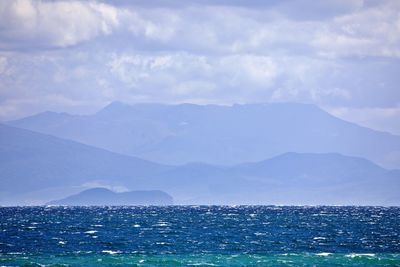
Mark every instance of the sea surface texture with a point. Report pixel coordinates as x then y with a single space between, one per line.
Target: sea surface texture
200 236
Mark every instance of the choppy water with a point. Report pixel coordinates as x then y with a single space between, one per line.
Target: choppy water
202 236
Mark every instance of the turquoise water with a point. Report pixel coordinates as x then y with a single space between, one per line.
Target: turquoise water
200 236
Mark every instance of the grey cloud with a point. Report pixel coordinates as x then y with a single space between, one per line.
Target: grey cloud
188 3
296 9
318 10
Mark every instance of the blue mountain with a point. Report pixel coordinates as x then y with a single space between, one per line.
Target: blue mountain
221 135
36 168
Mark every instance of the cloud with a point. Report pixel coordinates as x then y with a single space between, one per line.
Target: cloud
331 28
29 23
318 10
336 53
180 75
373 31
376 118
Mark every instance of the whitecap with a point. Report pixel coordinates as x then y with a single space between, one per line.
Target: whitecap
111 252
353 255
324 254
257 233
201 264
162 224
91 232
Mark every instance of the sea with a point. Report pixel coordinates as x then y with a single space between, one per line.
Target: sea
200 236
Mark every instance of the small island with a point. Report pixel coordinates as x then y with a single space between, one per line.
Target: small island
106 197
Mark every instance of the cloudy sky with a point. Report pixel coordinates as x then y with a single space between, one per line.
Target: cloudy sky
78 56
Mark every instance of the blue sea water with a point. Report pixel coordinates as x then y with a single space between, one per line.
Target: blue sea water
200 236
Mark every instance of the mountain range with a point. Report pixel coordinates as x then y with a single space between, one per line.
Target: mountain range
36 168
215 134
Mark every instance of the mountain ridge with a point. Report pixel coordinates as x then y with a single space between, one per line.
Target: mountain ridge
32 161
35 168
215 134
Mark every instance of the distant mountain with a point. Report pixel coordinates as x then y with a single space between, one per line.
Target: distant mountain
103 196
36 168
316 168
34 162
290 178
222 135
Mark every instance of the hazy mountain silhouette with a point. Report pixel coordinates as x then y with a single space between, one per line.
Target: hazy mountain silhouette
222 135
103 196
291 178
32 161
36 168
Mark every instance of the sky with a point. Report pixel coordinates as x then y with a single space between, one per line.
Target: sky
78 56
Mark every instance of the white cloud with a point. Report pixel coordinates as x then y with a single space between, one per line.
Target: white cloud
250 72
158 25
346 28
30 23
183 73
373 31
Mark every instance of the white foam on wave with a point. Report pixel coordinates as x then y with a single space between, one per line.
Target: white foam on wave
201 264
353 255
258 233
91 232
161 224
324 254
111 252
